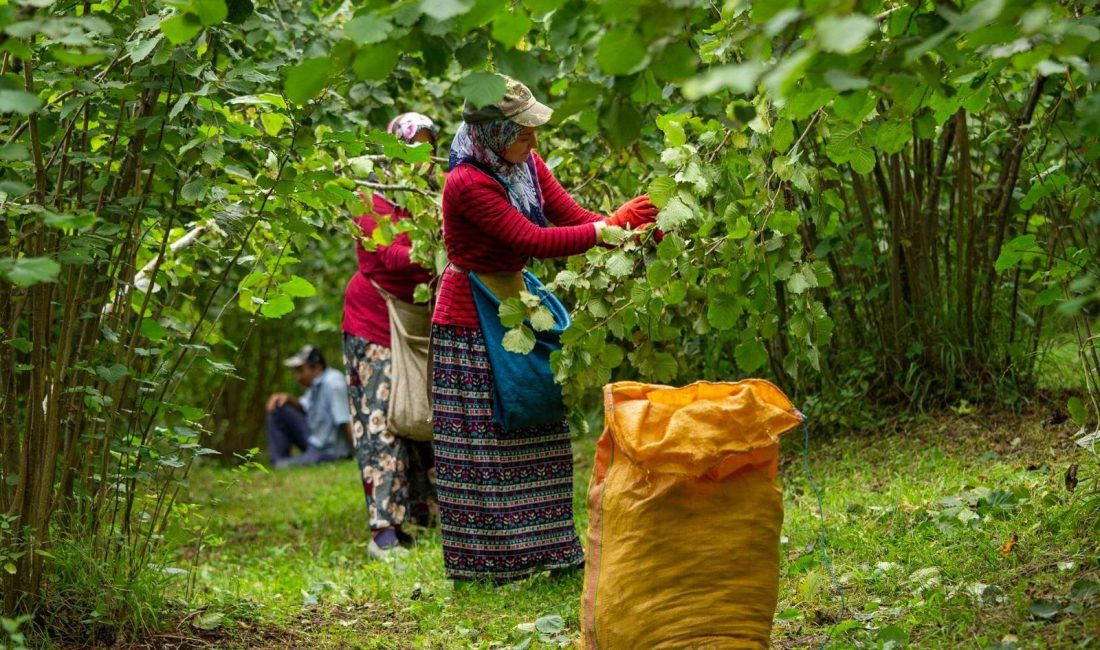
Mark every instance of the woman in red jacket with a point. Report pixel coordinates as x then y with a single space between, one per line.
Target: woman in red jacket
395 471
505 497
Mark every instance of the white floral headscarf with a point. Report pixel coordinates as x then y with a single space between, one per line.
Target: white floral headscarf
407 125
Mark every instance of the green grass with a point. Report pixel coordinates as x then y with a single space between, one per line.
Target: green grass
918 522
1059 366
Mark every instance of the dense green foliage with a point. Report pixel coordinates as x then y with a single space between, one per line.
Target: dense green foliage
838 227
865 201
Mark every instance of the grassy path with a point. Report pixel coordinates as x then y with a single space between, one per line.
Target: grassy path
957 532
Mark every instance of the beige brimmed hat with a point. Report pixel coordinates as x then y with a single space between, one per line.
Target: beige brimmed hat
518 105
308 354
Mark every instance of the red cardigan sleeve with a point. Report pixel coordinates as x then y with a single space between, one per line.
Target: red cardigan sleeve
395 257
558 206
482 201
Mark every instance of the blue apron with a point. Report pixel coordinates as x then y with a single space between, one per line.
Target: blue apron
524 391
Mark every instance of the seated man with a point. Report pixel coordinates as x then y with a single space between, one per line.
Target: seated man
318 422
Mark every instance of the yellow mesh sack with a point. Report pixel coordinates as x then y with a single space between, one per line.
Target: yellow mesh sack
684 517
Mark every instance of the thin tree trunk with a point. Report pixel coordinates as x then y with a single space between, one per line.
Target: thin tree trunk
966 232
999 211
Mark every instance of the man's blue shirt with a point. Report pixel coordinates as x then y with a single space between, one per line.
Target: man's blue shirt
326 406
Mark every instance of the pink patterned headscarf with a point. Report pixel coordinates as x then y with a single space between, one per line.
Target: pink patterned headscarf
407 125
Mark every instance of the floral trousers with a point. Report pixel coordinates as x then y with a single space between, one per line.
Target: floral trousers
397 473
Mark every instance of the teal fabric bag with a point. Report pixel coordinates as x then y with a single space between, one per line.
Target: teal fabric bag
524 391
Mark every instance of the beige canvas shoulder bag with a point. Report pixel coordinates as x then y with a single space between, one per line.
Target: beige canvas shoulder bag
410 411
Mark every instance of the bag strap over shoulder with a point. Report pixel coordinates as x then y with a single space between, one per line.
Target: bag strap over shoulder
386 295
390 298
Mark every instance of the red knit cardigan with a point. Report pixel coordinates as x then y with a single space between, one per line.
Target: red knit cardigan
365 312
483 232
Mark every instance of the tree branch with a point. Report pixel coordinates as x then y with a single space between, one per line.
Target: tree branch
393 187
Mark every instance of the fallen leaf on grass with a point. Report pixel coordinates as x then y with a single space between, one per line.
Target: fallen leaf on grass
926 578
209 621
810 585
1071 477
1009 544
892 637
1044 609
1083 589
788 614
552 624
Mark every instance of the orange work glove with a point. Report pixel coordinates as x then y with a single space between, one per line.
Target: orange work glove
634 213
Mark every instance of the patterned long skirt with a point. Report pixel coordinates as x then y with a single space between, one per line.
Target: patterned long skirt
505 498
396 472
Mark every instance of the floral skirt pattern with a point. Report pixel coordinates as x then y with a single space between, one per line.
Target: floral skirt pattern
505 498
396 472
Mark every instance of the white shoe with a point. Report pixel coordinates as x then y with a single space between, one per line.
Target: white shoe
376 552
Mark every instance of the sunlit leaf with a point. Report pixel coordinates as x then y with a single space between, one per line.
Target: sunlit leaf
28 271
661 190
306 80
738 78
674 214
481 88
620 50
510 27
445 9
368 28
272 122
520 340
298 287
277 307
113 372
542 319
181 28
374 62
750 355
676 62
1014 251
844 34
512 312
153 330
723 311
210 12
619 264
19 101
